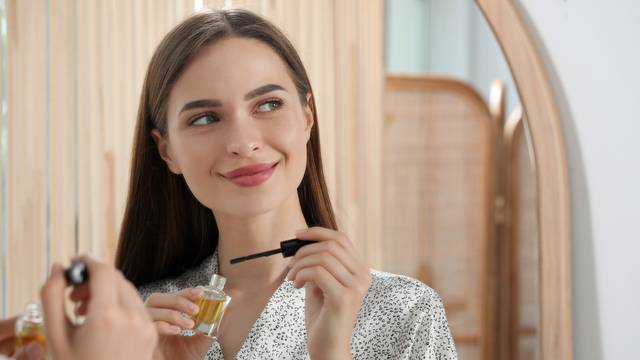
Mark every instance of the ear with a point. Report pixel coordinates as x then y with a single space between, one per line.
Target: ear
308 114
164 149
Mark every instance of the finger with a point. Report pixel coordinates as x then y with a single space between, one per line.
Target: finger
130 301
33 351
329 263
165 328
129 297
182 301
7 327
79 293
345 257
323 234
171 317
7 345
102 280
57 324
81 308
322 279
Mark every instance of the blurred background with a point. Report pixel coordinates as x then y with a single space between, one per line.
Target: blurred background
424 142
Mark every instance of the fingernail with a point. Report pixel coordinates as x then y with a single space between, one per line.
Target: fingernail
193 308
196 291
188 323
176 330
54 268
96 257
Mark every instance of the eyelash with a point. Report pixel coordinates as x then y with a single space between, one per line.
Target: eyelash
273 100
215 116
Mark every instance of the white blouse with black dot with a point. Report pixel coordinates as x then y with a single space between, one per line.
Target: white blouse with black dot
400 318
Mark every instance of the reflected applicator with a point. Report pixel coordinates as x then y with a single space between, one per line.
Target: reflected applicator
287 248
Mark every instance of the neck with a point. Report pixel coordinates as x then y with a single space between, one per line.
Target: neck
241 236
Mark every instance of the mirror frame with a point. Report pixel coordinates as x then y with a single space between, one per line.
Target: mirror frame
505 17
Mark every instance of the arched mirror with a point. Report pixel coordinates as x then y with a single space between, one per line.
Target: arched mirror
459 183
463 173
441 144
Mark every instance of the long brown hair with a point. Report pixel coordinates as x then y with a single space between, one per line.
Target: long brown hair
165 230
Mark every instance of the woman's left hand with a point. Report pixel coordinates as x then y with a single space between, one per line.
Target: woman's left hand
336 280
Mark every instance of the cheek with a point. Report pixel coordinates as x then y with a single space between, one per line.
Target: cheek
290 139
295 153
195 155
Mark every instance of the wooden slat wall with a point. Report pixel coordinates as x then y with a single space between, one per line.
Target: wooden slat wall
28 121
61 131
74 76
3 160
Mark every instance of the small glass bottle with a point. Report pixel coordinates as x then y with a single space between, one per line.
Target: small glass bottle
212 307
30 328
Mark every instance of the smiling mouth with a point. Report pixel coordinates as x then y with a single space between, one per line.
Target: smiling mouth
252 175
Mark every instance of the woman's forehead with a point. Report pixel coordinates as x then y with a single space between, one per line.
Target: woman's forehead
233 65
226 71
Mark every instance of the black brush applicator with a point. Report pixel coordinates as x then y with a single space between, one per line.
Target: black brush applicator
287 248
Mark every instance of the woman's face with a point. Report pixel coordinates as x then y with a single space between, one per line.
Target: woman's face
236 106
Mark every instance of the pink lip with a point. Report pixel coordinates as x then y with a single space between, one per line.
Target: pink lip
252 175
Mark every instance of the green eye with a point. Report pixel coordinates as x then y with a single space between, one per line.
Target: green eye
269 106
204 120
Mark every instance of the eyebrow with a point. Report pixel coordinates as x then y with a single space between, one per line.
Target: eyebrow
213 103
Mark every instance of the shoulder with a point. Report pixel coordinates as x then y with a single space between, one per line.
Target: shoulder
397 304
398 316
401 291
193 277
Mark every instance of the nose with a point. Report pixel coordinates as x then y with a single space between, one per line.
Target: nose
243 138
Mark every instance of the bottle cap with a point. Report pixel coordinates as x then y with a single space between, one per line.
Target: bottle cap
217 281
77 273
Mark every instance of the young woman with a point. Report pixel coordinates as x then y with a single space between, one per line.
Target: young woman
227 163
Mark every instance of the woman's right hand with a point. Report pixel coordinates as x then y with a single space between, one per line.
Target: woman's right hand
165 310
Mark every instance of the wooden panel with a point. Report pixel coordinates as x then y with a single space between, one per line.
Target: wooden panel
370 55
62 131
214 4
522 203
116 39
438 198
27 168
3 162
93 53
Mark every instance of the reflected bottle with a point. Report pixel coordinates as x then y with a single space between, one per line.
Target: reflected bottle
212 307
30 328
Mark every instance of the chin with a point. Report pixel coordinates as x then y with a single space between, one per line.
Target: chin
251 206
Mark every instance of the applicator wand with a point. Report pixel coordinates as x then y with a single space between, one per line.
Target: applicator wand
287 248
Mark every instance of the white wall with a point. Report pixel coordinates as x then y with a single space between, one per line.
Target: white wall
593 49
405 45
448 37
